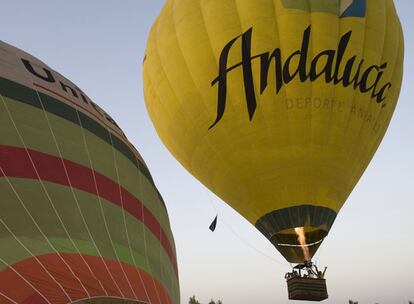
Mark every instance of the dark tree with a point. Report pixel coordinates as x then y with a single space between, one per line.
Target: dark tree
193 300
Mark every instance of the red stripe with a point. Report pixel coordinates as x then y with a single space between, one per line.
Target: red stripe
78 105
4 300
35 298
146 288
15 162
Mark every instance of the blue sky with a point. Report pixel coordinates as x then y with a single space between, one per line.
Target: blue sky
99 45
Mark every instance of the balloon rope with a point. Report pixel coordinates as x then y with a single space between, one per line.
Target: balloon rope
9 299
319 252
29 78
27 210
239 237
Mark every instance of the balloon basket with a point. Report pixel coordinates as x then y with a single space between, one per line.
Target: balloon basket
307 289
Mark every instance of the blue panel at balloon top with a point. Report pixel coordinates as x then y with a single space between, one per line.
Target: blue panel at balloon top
342 8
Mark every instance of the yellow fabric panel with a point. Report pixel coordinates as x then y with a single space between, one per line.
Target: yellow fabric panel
307 144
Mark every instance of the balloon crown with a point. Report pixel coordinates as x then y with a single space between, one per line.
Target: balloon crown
342 8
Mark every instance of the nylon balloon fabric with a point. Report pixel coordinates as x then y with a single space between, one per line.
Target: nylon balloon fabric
277 106
81 219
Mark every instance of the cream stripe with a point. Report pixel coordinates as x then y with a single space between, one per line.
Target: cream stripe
345 4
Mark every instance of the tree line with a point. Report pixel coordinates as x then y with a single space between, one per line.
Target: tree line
193 300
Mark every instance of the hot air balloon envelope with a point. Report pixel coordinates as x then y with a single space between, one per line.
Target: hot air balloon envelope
81 218
277 106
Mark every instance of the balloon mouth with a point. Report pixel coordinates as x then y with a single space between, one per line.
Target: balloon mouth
278 226
295 250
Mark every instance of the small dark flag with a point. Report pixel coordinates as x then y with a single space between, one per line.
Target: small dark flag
213 224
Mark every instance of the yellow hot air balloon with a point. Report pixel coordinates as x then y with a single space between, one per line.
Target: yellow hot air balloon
277 106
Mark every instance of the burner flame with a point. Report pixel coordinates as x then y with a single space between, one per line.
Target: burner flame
300 231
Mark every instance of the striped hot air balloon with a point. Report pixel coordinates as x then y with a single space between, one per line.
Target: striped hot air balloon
81 218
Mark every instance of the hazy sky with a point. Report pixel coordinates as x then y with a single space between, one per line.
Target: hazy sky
99 45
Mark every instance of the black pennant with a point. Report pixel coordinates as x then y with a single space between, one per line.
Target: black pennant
213 224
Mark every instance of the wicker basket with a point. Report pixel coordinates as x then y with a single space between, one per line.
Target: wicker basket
307 289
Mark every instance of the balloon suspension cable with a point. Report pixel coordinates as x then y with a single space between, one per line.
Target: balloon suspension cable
242 239
307 270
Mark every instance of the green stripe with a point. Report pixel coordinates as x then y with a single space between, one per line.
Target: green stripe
87 248
40 209
29 96
37 135
15 253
